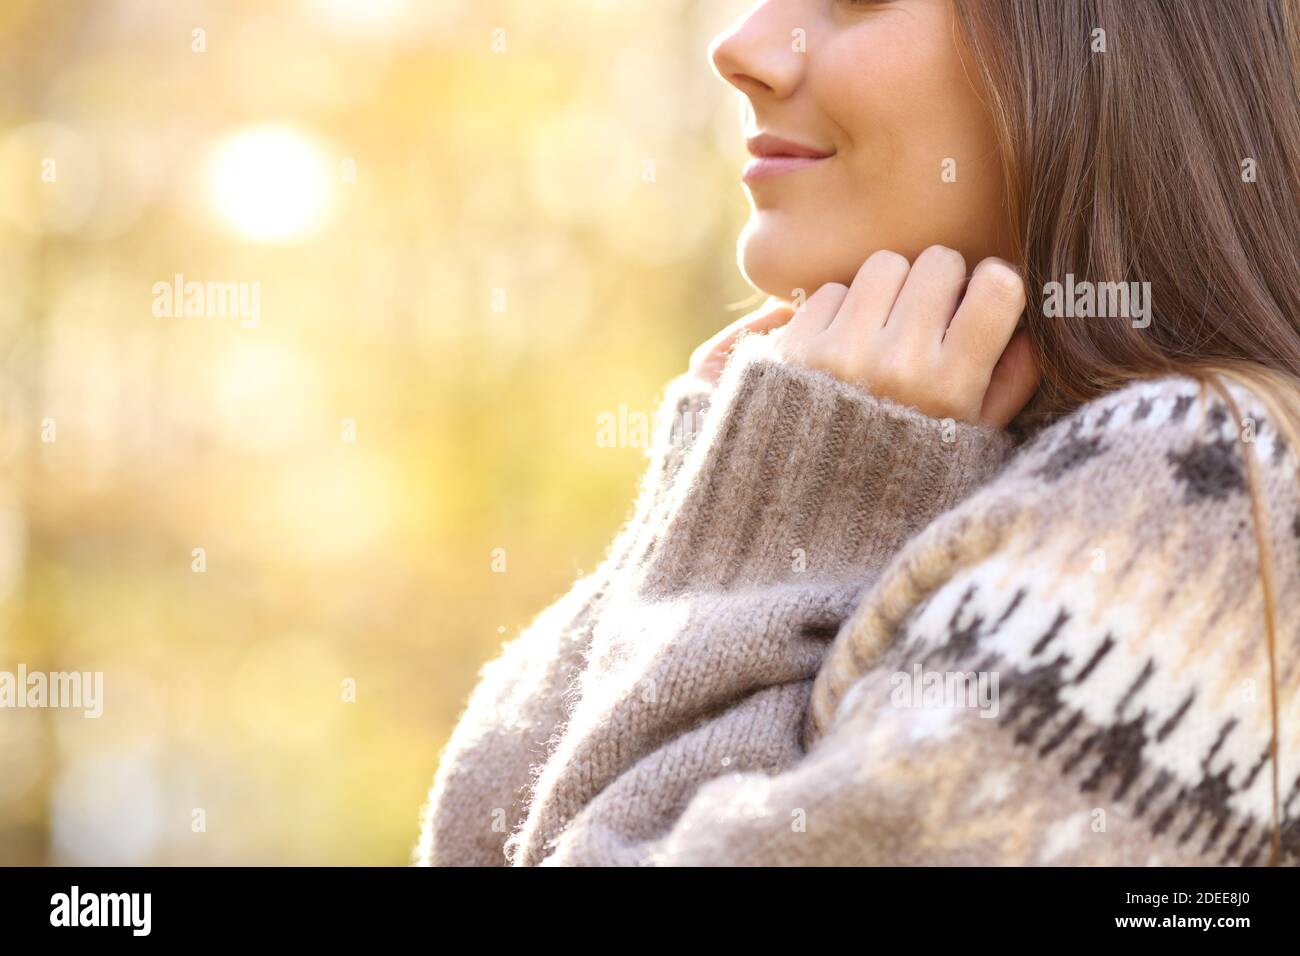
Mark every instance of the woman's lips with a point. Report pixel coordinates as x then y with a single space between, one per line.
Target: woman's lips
764 167
774 155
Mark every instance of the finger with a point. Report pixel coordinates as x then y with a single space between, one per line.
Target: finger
771 315
874 291
817 313
930 295
1014 381
988 314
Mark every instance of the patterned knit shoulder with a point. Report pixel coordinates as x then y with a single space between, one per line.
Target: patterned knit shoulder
1110 575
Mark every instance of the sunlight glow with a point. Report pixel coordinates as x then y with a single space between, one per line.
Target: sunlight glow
270 183
364 14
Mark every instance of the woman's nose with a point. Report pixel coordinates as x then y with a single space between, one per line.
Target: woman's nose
761 54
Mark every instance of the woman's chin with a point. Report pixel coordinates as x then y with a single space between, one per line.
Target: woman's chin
767 266
781 262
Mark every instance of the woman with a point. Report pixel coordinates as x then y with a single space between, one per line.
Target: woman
986 548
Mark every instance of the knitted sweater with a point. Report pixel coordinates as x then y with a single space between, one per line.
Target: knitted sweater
836 631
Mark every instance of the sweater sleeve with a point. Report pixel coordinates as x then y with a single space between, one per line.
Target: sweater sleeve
789 502
519 702
798 471
1070 668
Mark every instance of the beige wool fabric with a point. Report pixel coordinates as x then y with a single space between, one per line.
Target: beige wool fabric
836 631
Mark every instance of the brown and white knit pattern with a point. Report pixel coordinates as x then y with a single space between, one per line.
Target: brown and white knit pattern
725 688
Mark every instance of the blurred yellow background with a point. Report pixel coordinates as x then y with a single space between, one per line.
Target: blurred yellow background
462 231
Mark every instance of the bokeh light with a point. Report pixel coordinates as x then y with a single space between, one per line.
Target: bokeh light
270 183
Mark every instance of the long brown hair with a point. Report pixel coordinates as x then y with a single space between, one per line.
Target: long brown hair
1156 141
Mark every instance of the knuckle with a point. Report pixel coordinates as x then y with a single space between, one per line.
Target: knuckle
810 357
827 298
1002 281
831 289
892 372
944 258
888 262
837 363
793 349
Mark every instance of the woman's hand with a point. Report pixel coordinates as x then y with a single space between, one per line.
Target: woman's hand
907 333
708 360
